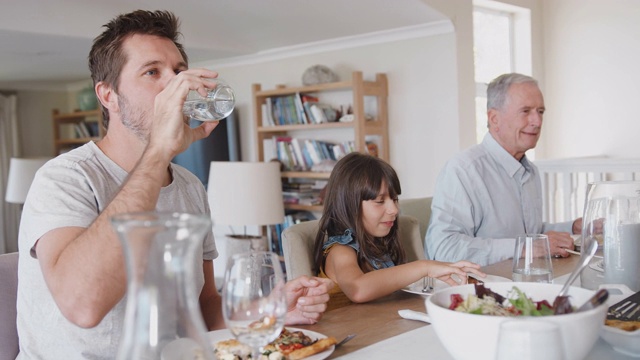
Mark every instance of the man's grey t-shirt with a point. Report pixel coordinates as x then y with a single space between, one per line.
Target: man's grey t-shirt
72 190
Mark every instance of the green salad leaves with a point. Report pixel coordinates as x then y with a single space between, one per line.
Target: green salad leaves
517 303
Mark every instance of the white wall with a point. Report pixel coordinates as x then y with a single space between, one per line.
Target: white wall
592 78
460 13
36 125
423 124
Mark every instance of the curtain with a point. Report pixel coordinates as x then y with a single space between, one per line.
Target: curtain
9 147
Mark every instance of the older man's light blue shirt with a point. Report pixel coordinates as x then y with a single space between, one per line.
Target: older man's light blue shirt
483 199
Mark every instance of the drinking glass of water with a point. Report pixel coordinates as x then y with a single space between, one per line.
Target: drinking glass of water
217 105
532 259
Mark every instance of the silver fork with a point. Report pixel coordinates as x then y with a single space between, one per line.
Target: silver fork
427 285
633 315
626 311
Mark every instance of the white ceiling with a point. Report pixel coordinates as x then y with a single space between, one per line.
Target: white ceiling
47 41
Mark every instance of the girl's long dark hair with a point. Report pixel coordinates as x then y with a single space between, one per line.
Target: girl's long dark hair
356 178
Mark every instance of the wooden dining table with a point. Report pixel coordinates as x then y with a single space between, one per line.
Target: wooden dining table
379 320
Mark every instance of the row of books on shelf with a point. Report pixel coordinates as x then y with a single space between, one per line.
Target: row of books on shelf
296 109
81 130
274 235
303 193
302 154
304 185
311 198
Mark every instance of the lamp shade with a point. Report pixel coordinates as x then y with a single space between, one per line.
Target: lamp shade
245 193
21 173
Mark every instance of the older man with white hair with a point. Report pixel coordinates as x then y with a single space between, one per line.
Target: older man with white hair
488 194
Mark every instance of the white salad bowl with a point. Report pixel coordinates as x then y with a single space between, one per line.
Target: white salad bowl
475 337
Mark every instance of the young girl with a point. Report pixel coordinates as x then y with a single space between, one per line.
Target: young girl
357 244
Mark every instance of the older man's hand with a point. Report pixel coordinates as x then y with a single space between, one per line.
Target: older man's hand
577 226
559 242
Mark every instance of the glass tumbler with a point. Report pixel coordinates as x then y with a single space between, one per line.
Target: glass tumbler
217 105
162 312
532 259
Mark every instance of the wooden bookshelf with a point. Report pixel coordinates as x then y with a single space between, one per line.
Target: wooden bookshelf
71 130
356 91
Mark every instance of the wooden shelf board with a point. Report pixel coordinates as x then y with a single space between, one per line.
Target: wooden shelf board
76 115
370 88
281 128
306 174
341 85
316 208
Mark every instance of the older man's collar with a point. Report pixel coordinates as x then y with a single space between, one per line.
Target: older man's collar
502 157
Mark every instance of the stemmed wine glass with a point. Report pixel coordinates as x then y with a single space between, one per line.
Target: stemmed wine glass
254 304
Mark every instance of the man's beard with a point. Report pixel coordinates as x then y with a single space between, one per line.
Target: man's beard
133 119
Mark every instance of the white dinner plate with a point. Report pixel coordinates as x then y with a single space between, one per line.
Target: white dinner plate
416 287
184 348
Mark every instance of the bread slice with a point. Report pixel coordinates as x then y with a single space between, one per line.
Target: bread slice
628 325
317 347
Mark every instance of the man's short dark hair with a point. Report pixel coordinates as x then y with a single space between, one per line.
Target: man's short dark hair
107 58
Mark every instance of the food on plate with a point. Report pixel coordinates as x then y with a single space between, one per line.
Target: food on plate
290 345
232 349
315 348
487 302
626 325
296 345
474 280
289 341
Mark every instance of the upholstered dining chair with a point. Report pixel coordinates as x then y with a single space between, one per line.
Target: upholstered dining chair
8 293
419 208
298 241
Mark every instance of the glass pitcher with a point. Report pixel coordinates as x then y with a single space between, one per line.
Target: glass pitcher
612 218
162 317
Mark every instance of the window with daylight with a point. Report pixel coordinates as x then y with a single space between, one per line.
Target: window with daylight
497 28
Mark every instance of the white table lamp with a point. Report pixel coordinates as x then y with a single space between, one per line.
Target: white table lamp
21 173
245 194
